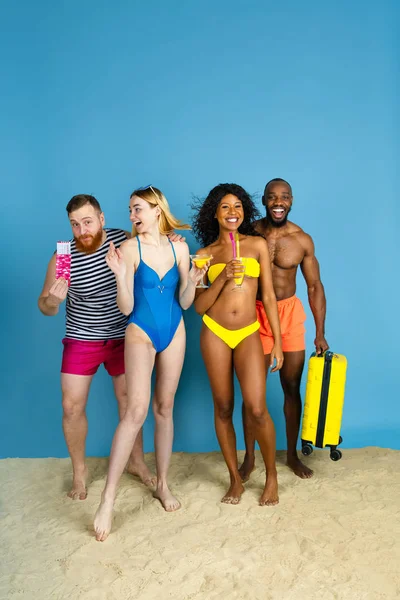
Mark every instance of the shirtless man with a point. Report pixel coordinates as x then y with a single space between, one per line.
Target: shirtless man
95 331
290 247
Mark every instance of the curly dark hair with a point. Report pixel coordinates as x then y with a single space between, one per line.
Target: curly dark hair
205 225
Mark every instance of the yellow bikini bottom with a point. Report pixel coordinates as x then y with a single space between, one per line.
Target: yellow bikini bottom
231 337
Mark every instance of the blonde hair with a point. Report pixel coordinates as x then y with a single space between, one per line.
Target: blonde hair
155 197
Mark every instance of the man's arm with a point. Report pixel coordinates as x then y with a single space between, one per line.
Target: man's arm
54 291
316 294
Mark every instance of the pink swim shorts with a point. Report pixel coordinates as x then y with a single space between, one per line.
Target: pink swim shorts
81 357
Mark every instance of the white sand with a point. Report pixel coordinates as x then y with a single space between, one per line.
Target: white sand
336 536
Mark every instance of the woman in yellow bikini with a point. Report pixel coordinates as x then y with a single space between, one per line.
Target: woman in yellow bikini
229 337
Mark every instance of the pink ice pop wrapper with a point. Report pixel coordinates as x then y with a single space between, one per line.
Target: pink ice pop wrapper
63 261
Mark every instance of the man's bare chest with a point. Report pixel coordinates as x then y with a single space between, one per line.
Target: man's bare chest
285 252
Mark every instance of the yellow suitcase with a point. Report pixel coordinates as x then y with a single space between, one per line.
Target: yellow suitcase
323 405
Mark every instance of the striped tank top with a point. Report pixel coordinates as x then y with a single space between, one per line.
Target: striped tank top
91 307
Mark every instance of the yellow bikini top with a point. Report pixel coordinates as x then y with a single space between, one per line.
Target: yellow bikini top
252 269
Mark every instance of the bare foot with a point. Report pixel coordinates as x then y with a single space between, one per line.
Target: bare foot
168 500
270 496
234 494
103 519
142 471
246 469
78 490
299 468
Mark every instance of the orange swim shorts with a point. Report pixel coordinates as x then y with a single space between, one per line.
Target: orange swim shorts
292 318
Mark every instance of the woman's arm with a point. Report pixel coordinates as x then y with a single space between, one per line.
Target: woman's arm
189 277
205 298
269 301
122 263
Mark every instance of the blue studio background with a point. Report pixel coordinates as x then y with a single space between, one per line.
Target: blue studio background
99 97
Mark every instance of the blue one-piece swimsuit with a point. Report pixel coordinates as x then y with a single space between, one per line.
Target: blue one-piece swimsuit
156 309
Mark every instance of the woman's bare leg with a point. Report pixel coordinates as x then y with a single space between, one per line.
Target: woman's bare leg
136 465
217 357
169 365
139 363
249 365
248 464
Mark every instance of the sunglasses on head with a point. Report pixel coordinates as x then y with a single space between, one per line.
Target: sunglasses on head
146 187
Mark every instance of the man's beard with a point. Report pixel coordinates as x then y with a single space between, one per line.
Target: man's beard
89 246
271 219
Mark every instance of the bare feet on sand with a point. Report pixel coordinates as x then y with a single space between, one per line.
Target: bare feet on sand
270 496
142 471
234 494
78 490
299 468
246 469
168 500
103 519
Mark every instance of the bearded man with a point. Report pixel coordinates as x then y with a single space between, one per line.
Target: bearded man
95 330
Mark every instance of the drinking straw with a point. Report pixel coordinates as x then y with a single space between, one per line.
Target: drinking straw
233 244
237 245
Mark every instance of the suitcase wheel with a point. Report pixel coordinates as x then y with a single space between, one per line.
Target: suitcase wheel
307 449
335 455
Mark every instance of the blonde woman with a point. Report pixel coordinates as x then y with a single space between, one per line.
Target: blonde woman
154 284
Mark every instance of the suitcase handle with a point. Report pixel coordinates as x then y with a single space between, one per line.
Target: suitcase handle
328 353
